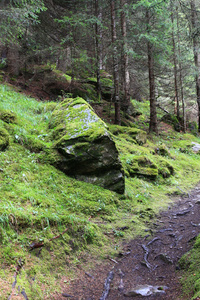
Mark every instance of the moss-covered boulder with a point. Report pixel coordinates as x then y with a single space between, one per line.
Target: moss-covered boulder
142 165
162 150
164 167
138 135
4 139
85 144
8 116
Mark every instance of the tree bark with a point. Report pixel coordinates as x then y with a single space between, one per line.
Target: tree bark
176 98
126 77
153 124
115 64
13 59
180 75
98 49
196 56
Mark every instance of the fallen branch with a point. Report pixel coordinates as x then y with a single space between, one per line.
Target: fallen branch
107 285
113 260
39 245
89 275
163 109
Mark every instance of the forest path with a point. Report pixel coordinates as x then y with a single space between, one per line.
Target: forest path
152 260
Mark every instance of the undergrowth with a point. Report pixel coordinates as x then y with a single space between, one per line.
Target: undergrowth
40 204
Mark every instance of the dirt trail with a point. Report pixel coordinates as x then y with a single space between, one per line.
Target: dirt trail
152 260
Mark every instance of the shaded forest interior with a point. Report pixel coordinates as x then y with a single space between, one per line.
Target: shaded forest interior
145 50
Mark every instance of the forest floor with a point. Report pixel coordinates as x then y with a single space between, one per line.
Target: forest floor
152 260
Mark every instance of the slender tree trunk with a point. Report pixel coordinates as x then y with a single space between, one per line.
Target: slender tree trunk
115 65
98 50
13 59
126 77
180 74
176 98
153 125
100 39
196 56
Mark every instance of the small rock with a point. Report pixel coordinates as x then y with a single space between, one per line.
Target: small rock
198 201
145 290
164 257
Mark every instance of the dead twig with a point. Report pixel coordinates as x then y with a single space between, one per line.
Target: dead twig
39 245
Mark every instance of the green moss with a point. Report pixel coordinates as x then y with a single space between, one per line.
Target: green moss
190 263
63 75
4 139
74 118
141 165
8 116
31 142
164 167
162 150
138 135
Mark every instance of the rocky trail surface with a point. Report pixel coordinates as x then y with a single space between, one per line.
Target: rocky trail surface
148 267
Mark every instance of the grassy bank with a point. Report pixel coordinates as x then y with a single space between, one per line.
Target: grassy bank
41 205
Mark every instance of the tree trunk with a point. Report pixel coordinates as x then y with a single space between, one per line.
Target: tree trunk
153 124
126 77
176 98
13 59
115 65
180 75
196 55
98 50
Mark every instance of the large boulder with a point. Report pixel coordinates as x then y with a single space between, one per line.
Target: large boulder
85 144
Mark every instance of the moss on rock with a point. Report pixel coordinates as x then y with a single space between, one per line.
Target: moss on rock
142 165
8 116
4 139
164 167
138 135
82 138
162 150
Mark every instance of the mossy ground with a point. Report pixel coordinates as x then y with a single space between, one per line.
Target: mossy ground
190 263
38 202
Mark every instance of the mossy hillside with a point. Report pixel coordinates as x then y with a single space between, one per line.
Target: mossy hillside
190 264
39 202
32 118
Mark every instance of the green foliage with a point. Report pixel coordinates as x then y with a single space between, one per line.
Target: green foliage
17 16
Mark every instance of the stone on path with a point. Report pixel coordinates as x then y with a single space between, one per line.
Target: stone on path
145 290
